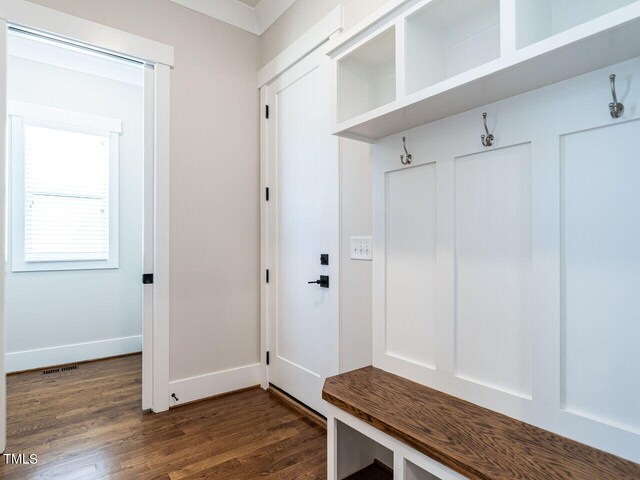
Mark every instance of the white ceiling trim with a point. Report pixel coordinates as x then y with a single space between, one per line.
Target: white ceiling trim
255 20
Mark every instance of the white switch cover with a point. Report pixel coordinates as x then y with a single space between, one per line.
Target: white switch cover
361 248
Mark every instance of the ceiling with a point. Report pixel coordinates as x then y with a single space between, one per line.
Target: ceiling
254 16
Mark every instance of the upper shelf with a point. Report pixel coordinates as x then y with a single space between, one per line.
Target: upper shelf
425 60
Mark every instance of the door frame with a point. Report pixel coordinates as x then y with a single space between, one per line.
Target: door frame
109 40
316 38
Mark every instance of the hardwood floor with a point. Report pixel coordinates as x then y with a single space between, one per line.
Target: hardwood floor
87 424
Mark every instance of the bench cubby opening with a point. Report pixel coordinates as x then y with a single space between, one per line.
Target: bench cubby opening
359 456
414 472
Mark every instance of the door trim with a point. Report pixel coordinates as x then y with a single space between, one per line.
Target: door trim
30 16
316 38
97 36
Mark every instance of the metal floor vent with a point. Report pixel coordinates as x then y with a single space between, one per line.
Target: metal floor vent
61 369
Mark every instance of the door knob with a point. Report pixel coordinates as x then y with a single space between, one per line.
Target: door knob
323 282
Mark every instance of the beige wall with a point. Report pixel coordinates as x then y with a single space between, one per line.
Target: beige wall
214 179
304 14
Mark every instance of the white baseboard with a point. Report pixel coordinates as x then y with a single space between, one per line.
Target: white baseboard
211 384
80 352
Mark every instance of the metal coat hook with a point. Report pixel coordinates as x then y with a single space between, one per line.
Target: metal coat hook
487 138
409 157
615 107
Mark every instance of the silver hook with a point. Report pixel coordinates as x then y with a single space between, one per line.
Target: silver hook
409 156
616 108
487 139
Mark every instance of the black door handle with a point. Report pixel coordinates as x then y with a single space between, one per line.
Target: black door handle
323 282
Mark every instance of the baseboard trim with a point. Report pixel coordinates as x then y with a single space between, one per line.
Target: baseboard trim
189 390
66 354
84 362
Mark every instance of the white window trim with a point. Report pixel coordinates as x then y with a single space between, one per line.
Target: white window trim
20 112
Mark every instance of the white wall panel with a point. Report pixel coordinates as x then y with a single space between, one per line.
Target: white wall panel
493 260
538 259
602 273
411 264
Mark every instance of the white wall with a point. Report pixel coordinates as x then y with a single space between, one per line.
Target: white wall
355 221
214 182
61 317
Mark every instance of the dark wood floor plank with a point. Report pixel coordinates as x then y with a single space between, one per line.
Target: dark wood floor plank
477 442
87 424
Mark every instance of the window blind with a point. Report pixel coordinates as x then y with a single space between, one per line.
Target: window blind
66 174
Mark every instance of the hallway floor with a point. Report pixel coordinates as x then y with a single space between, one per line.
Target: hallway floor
87 424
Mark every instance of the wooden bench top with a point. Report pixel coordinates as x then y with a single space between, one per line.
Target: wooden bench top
474 441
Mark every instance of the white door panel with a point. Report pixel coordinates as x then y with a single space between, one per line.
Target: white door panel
148 233
602 267
303 223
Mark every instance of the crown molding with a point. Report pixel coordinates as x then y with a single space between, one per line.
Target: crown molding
254 20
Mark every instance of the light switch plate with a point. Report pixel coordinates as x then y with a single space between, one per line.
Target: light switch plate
361 248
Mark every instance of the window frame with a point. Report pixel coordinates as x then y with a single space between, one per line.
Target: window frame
21 113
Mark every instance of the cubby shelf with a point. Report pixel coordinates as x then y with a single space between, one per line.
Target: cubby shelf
421 61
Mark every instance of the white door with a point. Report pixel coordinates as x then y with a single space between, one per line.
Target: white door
148 234
3 169
302 224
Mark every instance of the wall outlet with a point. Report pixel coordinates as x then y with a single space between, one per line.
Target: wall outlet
361 248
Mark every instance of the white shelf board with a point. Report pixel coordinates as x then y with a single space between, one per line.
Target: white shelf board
604 41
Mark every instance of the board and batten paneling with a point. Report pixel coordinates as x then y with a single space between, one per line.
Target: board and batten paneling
493 268
411 264
525 302
601 261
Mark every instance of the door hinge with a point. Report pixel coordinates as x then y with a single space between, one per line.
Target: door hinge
147 279
267 276
268 359
266 112
267 194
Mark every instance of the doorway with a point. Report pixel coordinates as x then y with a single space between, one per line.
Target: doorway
76 208
156 60
302 232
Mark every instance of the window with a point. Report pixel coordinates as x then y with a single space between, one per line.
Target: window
64 198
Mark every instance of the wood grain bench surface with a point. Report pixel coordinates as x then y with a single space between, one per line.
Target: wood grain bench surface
474 441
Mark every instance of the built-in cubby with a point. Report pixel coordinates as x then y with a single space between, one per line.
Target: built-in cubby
414 472
360 457
540 19
367 76
444 39
419 61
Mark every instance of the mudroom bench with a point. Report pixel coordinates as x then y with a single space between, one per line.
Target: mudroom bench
382 426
